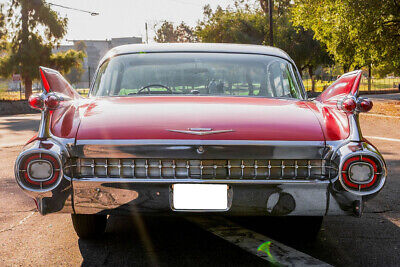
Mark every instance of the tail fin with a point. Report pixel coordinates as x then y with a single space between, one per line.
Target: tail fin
347 84
53 81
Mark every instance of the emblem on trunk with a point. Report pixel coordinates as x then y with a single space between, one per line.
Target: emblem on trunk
201 131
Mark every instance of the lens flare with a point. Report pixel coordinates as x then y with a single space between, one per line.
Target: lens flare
265 247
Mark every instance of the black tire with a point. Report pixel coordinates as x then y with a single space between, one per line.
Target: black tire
89 226
306 227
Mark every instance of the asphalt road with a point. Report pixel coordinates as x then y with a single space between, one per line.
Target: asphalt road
395 96
28 238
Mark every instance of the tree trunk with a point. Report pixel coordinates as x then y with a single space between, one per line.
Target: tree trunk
369 77
28 87
311 73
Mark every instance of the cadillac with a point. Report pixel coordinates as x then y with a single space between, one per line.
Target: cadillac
199 129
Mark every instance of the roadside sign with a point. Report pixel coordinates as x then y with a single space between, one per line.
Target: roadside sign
16 77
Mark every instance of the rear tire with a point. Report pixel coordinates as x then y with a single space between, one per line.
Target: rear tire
305 227
89 226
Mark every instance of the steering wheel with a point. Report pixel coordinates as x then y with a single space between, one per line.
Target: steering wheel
147 87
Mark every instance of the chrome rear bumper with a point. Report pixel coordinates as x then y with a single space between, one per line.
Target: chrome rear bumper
105 196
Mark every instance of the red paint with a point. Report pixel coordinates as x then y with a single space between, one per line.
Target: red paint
55 82
251 118
347 84
334 122
44 80
65 120
150 117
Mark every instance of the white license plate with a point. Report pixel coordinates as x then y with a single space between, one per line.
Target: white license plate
200 196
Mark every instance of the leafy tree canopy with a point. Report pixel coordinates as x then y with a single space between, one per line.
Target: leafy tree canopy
168 33
35 30
3 30
248 24
238 24
357 32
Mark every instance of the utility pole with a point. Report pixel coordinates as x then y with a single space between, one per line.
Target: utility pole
271 23
147 33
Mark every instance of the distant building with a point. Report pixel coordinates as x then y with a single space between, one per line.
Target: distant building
95 50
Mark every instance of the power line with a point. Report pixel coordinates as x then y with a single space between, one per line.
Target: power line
76 9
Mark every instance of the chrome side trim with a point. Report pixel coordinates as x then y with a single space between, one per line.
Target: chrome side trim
196 142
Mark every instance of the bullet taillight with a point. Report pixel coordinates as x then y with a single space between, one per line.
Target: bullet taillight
52 102
365 105
349 105
36 102
353 105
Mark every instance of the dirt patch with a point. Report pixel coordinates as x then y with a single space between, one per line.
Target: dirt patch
386 107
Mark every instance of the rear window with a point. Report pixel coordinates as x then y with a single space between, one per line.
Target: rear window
197 74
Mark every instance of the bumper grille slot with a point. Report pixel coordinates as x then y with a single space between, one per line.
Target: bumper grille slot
246 169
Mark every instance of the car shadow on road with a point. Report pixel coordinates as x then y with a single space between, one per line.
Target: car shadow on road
26 124
161 241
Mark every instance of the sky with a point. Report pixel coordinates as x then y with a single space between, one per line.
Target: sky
126 18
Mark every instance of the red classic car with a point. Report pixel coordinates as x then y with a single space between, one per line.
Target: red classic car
198 128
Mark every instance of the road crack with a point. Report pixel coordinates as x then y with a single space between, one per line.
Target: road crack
18 224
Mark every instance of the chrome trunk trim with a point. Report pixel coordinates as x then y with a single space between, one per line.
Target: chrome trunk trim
197 142
210 149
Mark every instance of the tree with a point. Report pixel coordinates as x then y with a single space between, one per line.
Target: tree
3 30
75 74
167 33
232 25
36 28
249 25
357 32
299 43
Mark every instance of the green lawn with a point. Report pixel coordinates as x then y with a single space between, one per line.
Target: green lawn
377 84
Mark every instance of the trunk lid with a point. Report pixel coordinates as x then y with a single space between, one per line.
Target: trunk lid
199 118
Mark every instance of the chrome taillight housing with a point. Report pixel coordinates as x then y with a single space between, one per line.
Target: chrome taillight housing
38 171
362 173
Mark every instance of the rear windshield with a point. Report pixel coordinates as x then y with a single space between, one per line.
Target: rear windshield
197 74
